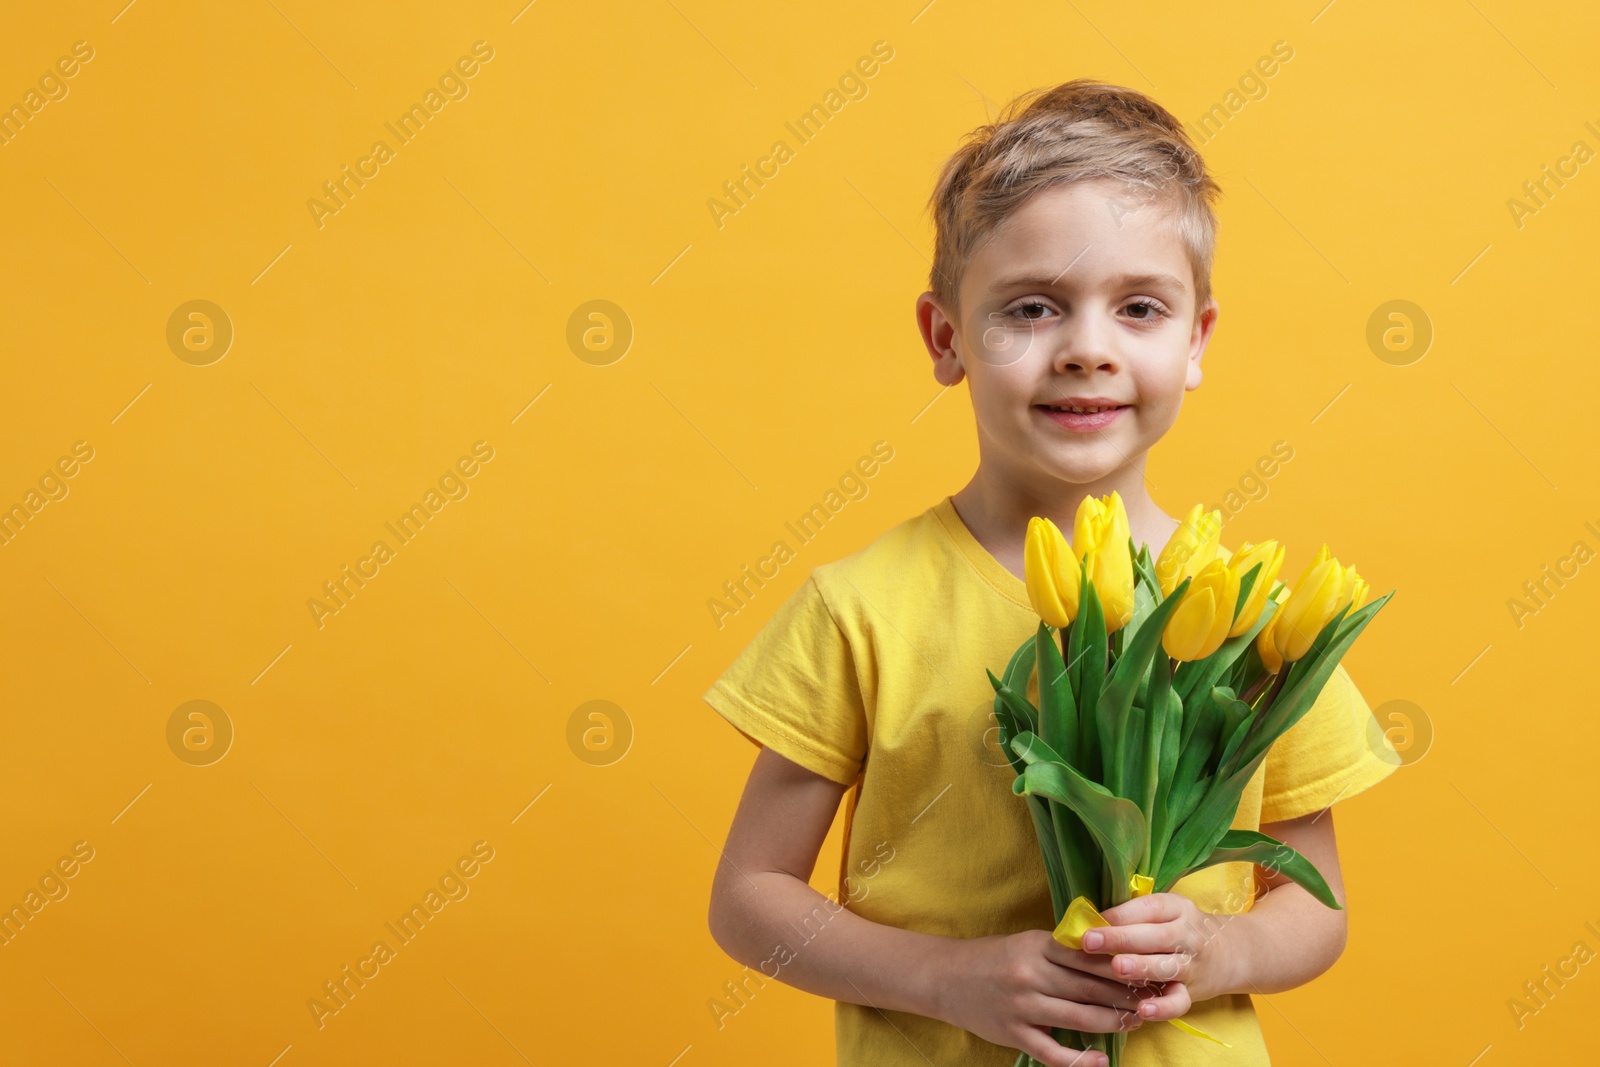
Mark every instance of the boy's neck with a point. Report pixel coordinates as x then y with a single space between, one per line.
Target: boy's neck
997 512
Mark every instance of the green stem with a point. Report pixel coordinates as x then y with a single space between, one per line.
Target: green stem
1152 767
1250 694
1259 716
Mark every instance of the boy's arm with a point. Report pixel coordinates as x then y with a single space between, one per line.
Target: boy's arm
1292 936
1285 940
1007 989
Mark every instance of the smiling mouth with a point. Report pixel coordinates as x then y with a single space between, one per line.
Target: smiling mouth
1080 410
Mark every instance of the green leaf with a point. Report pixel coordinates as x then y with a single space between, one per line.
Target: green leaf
1199 833
1058 711
1306 679
1021 665
1182 805
1009 728
1055 873
1113 708
1086 650
1132 730
1237 720
1071 841
1245 584
1146 590
1166 768
1144 571
1117 825
1075 845
1253 846
1022 713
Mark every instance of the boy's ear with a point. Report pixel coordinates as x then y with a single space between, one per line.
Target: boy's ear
1204 323
939 336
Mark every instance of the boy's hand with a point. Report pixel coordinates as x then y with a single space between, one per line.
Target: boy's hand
1162 939
1010 989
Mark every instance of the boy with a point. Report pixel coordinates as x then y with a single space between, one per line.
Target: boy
1071 289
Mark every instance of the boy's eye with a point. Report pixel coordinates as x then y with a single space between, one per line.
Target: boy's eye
1152 310
1030 310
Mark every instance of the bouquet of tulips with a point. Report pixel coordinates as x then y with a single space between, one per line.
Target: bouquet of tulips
1161 686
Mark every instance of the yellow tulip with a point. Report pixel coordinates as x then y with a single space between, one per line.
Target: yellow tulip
1192 545
1270 555
1267 645
1322 592
1357 593
1050 571
1200 624
1100 538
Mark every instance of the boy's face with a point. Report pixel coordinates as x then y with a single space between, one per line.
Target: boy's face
1081 294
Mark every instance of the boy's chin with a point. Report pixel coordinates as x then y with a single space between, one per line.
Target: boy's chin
1081 464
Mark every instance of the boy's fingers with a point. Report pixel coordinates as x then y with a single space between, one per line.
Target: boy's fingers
1141 937
1069 984
1060 954
1150 908
1160 967
1170 1001
1073 1014
1042 1047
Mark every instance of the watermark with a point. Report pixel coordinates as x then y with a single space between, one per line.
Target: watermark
998 335
1537 593
983 736
52 87
1538 993
738 990
1541 190
1399 332
52 487
339 991
452 85
199 732
1252 86
738 192
599 333
599 732
1399 732
199 332
1251 486
738 592
452 485
52 887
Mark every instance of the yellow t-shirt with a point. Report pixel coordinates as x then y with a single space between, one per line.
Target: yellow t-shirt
872 674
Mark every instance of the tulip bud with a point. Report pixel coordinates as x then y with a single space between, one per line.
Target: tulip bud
1357 594
1313 602
1192 545
1270 555
1100 538
1050 571
1267 646
1201 622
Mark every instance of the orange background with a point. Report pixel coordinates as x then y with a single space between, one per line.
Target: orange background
431 311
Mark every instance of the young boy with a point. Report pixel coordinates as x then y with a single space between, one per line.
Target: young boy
1071 289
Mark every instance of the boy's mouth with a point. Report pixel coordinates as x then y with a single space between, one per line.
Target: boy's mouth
1083 416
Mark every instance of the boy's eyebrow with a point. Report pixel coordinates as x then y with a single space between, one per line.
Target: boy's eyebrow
1125 281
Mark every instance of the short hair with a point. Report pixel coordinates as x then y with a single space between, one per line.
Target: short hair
1081 130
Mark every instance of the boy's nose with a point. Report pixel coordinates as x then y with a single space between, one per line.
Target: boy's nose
1085 345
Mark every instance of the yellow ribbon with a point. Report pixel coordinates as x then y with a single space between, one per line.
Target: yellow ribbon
1081 916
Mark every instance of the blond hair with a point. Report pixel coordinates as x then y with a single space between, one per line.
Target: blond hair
1081 130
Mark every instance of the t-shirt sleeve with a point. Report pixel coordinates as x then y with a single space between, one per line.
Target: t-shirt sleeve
794 689
1334 752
